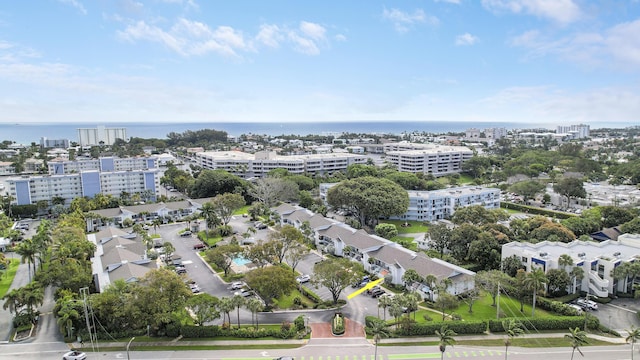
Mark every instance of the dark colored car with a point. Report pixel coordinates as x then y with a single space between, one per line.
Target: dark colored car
199 246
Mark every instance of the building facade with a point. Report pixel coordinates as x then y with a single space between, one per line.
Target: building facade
247 165
441 204
101 136
597 260
580 131
46 143
437 160
31 189
104 164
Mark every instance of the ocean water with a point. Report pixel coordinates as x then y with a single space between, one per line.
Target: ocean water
27 133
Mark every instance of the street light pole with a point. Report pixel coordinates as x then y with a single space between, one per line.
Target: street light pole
129 343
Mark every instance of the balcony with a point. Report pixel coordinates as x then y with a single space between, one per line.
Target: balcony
597 285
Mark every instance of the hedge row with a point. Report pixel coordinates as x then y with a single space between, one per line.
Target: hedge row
460 327
556 306
194 332
557 323
535 210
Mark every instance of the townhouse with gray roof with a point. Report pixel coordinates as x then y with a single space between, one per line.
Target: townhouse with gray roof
119 256
379 256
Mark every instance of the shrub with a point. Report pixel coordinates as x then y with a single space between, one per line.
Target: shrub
557 323
337 325
460 327
369 320
285 326
427 317
299 323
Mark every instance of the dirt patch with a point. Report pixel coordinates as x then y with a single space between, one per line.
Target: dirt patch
353 329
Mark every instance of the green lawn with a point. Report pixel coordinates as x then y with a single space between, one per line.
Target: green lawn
286 301
531 342
509 307
8 275
405 241
242 210
416 226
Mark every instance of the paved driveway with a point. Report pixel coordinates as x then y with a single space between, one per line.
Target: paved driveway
619 314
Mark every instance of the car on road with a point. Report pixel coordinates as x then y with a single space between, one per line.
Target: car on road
285 358
199 246
185 233
74 355
587 304
237 285
303 278
243 293
259 225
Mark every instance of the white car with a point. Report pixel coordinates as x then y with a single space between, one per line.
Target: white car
303 278
74 355
237 285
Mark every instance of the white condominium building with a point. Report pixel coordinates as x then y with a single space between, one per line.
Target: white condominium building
597 259
31 189
101 136
580 131
437 160
441 204
258 165
104 164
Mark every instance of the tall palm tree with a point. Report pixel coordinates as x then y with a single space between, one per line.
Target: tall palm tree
254 305
576 338
378 329
27 251
238 301
445 338
66 316
513 329
534 281
33 295
226 306
384 302
12 301
634 335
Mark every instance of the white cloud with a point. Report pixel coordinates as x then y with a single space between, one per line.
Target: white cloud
403 21
76 4
457 2
188 37
312 30
561 11
466 39
270 35
617 46
340 37
303 45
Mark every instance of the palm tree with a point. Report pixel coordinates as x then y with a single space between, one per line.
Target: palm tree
513 329
576 338
27 250
66 316
33 295
254 305
634 335
384 302
445 337
378 329
226 306
12 301
237 301
534 281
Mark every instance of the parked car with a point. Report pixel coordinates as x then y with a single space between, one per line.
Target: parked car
236 285
259 225
74 355
378 293
578 308
303 278
243 292
194 288
587 304
186 233
199 246
285 358
181 270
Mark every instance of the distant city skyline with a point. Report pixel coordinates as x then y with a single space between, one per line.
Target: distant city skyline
173 61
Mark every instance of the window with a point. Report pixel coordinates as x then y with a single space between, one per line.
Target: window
525 259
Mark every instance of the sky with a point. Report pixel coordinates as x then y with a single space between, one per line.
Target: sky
522 61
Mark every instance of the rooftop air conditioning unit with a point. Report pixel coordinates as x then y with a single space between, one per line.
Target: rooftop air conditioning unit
616 253
582 255
543 254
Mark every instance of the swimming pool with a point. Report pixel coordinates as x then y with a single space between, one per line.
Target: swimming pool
240 260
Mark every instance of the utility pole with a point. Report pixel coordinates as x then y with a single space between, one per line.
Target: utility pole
498 303
84 291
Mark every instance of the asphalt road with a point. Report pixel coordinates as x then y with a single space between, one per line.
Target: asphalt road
336 350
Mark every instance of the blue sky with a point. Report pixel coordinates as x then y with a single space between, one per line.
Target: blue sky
527 61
